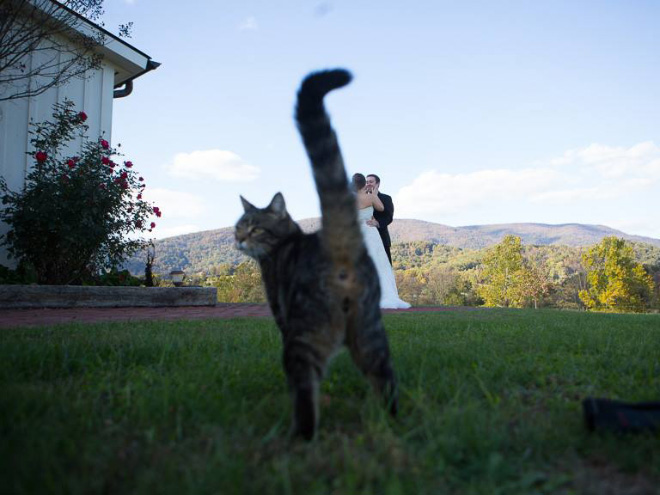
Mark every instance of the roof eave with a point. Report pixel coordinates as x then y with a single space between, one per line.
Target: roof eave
129 62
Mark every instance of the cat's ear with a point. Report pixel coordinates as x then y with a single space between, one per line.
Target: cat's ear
247 206
277 204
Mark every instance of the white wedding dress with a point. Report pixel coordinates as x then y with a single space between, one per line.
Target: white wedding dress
389 295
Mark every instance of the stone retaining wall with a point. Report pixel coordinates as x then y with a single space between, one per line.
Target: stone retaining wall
69 296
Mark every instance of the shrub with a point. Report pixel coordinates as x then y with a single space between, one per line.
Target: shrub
77 216
118 278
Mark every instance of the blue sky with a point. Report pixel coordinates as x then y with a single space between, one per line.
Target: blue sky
471 112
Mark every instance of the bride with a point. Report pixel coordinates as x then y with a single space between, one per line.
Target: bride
366 202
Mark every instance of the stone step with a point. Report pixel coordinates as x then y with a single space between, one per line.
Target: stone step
70 296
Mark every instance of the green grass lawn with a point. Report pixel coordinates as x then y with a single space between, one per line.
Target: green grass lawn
490 403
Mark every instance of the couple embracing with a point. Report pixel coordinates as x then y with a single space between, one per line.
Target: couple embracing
375 211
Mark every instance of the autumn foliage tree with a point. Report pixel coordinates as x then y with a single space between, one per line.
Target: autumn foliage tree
616 281
511 280
503 264
242 284
533 282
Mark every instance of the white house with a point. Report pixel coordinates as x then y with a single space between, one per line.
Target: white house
93 94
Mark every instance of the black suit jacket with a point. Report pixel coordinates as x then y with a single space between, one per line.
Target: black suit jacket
385 218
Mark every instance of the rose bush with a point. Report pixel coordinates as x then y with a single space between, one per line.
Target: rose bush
78 216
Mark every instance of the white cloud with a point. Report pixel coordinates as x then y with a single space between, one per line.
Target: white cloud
644 225
220 165
435 192
611 162
594 173
653 169
248 24
575 195
175 204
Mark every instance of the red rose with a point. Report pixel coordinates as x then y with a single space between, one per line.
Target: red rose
41 156
138 224
128 164
71 163
104 144
124 185
153 225
124 175
82 116
139 196
105 160
141 179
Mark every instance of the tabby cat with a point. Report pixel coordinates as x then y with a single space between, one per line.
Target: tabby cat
322 288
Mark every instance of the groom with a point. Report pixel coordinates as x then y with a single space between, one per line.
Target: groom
381 218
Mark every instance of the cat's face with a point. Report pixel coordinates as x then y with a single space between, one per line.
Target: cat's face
259 230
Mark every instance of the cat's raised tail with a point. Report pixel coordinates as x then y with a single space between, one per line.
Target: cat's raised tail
341 232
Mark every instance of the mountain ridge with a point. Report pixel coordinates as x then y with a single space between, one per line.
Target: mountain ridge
199 251
569 234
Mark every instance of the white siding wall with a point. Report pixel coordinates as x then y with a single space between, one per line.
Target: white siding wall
93 95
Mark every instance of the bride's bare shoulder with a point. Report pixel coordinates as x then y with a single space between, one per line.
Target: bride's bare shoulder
363 201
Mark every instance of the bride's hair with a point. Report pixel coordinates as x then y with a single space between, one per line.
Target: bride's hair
359 181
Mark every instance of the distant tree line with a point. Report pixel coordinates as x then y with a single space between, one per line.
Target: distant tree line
614 275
